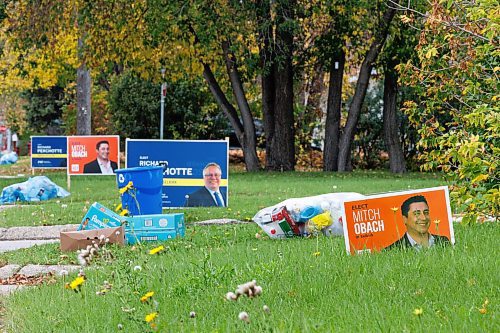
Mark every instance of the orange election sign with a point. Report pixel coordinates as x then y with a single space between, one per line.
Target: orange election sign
377 222
97 155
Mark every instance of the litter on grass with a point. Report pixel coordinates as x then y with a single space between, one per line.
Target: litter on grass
8 158
305 216
37 188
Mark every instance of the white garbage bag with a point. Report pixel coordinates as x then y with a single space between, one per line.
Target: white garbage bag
304 216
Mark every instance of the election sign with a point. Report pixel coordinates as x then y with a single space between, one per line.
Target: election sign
49 152
191 175
93 154
416 218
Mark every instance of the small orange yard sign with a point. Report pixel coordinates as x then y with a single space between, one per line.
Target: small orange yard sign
416 218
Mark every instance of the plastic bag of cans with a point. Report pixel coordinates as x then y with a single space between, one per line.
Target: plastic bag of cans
305 216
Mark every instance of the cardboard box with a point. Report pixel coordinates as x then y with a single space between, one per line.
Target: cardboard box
155 227
150 235
74 240
156 221
99 217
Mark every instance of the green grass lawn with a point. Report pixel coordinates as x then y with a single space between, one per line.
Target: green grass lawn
305 293
331 292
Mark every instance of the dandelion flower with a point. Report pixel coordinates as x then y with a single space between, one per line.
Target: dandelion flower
394 209
137 268
266 309
418 311
192 314
147 296
258 236
64 206
157 249
244 316
76 283
150 317
120 327
317 254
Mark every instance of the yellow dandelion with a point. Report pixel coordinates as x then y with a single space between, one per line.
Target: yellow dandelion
418 311
483 311
150 317
317 254
394 209
147 296
76 283
157 249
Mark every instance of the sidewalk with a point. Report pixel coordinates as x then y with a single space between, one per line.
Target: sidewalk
14 277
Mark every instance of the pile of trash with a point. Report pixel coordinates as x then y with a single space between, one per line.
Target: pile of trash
305 216
8 158
37 188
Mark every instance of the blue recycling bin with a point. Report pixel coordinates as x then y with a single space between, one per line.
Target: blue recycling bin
143 195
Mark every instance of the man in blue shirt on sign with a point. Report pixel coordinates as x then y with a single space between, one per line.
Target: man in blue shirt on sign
210 194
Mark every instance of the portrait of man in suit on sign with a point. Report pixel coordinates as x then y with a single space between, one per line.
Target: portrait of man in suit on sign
210 194
102 164
416 217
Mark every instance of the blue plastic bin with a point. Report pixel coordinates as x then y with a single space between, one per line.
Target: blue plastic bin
144 197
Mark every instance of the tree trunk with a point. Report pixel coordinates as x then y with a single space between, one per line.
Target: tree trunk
333 113
361 87
83 91
268 70
281 155
244 132
391 123
247 138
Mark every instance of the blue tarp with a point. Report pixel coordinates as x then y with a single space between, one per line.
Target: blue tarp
34 189
8 158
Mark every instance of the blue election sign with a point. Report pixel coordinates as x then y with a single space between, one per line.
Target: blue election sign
185 184
49 152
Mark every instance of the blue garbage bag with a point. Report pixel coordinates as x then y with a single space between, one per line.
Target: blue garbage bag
37 188
8 158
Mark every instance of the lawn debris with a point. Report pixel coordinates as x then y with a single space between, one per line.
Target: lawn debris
23 280
250 289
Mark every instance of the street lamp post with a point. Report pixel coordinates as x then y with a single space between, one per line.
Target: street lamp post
162 100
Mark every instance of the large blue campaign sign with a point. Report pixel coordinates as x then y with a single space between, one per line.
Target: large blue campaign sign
184 182
49 152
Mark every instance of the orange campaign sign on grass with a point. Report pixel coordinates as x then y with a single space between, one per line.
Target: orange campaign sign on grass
416 218
93 155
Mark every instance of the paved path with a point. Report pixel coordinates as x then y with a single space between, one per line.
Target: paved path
11 245
24 237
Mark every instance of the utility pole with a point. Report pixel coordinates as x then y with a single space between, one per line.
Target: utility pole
162 100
